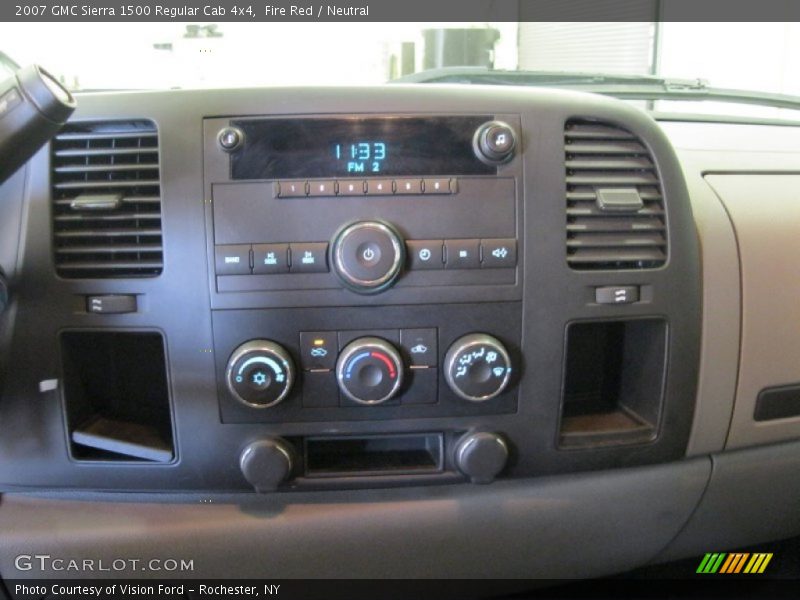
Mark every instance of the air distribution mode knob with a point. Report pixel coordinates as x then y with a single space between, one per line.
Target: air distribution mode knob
477 367
494 142
367 256
481 456
369 370
260 373
267 463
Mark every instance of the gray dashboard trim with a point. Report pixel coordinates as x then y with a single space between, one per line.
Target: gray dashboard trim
719 354
557 527
751 498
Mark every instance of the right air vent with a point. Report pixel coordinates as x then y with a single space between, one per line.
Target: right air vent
615 209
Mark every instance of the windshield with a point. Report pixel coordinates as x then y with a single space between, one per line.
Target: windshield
762 57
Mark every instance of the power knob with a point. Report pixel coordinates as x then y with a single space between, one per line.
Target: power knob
267 463
367 256
477 367
481 456
260 373
494 142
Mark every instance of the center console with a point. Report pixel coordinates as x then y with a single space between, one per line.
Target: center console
280 290
367 269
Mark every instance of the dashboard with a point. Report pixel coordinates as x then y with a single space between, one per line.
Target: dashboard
514 316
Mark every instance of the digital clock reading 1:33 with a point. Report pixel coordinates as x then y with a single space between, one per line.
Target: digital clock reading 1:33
360 157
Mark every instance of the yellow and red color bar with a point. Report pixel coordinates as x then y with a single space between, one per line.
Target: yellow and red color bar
735 562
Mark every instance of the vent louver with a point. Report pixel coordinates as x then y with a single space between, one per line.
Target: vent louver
107 200
615 208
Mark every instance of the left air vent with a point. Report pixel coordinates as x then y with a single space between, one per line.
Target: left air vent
107 200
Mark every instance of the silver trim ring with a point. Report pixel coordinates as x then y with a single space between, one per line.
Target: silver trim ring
468 341
359 345
338 257
263 347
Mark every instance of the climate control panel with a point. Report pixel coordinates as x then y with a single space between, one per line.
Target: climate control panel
283 365
370 370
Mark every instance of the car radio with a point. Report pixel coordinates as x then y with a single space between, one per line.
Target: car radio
363 204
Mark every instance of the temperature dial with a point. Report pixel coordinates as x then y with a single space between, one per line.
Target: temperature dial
260 373
477 367
369 371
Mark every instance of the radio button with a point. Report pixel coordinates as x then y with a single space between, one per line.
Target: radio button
270 258
351 188
408 186
499 253
462 254
232 259
379 187
309 257
291 189
426 254
439 186
321 188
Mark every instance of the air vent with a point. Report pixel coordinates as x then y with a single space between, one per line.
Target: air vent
107 200
615 209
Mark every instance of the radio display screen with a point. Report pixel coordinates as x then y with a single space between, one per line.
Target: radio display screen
299 148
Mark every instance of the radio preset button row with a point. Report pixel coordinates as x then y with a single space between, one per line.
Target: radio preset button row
368 187
462 254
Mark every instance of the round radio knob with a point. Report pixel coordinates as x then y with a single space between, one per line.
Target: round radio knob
367 256
230 138
369 371
481 456
267 463
477 367
495 142
260 373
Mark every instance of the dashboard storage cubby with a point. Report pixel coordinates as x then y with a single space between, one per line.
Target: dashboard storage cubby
374 455
613 382
116 396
